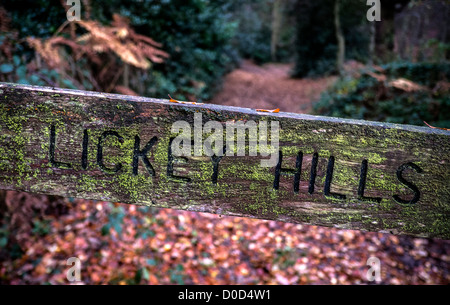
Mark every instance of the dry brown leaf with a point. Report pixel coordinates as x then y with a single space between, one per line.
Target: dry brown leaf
181 102
264 110
406 85
378 77
435 127
134 49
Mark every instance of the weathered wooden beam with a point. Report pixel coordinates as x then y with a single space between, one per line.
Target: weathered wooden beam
330 172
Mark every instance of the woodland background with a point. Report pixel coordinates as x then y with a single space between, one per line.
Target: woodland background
307 56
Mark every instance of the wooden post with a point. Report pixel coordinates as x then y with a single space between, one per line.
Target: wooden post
326 171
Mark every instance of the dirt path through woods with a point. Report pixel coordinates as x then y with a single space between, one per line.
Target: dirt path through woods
269 87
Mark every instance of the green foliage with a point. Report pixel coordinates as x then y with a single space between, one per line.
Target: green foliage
141 274
253 19
4 234
252 39
196 34
41 227
40 18
115 220
369 99
316 41
6 68
441 50
427 74
16 69
316 44
356 29
177 275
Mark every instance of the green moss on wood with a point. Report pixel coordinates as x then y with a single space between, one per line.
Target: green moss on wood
243 186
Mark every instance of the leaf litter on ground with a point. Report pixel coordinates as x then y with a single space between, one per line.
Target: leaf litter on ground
127 244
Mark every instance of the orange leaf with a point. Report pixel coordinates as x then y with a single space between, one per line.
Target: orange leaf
175 101
172 100
273 111
435 127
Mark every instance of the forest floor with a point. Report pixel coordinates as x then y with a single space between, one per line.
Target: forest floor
126 244
269 87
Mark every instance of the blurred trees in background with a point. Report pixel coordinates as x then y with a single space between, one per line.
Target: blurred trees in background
409 30
265 29
316 42
114 47
422 31
194 33
411 84
395 70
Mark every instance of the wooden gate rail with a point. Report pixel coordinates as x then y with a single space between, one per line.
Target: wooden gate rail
328 171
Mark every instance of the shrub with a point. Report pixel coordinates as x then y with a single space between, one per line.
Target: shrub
195 33
369 98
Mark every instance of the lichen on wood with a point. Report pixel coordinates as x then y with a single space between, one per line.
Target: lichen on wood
330 171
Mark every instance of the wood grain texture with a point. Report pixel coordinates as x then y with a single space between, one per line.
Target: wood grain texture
330 172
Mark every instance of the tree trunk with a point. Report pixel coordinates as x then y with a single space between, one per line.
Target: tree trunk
276 26
372 43
340 38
